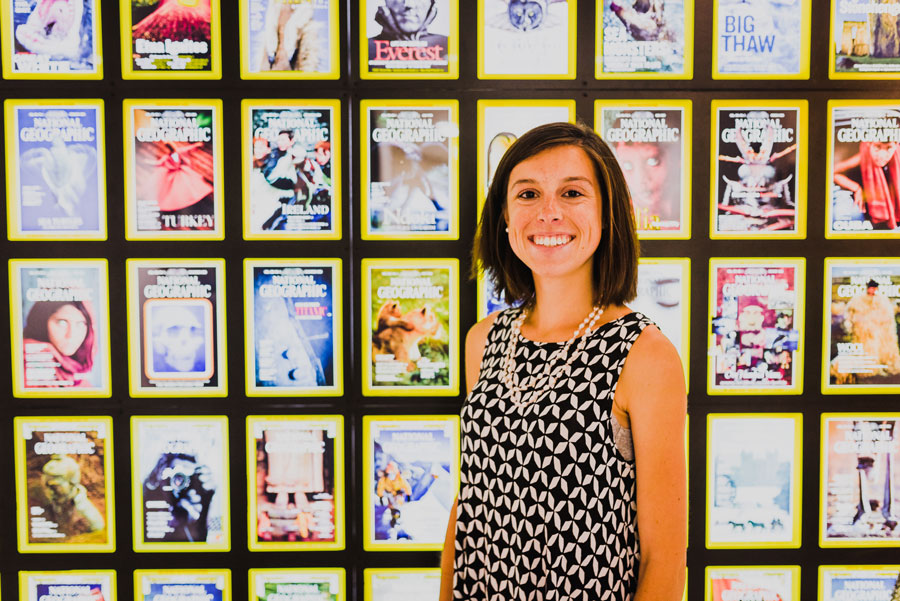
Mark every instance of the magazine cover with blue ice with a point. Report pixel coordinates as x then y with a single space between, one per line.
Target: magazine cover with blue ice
61 188
858 583
642 36
411 481
526 37
291 182
43 39
760 37
752 482
289 36
864 39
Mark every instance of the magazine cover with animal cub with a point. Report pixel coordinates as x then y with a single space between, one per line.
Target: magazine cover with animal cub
287 39
171 39
758 169
295 482
51 39
55 170
68 585
410 327
182 585
859 582
411 477
176 331
64 484
861 350
860 489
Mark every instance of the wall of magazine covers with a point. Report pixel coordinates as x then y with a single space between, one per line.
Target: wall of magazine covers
754 177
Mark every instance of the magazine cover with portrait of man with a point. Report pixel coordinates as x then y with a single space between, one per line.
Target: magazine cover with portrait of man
182 585
415 39
64 484
51 39
60 327
758 169
176 327
68 585
298 584
863 40
169 39
179 480
756 325
291 169
858 582
55 170
411 468
737 583
296 484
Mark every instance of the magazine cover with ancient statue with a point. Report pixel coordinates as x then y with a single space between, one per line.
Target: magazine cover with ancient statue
644 39
64 484
182 585
295 482
51 39
410 325
859 582
863 40
171 39
286 39
758 169
861 351
860 490
298 584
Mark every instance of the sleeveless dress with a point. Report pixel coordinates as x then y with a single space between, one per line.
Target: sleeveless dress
547 506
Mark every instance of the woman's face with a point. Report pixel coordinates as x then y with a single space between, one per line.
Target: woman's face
553 212
67 329
882 152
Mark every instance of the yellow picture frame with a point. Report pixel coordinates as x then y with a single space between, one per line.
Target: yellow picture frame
791 571
219 578
259 577
833 73
683 264
28 581
371 575
828 572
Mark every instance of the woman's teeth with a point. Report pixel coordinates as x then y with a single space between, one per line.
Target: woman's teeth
552 240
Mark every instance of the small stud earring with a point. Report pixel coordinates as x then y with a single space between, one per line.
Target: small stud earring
507 229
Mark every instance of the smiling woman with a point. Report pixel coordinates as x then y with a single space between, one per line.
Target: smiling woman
569 454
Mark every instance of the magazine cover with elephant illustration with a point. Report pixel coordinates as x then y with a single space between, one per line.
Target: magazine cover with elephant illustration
293 339
410 327
64 484
411 465
55 170
171 39
298 584
59 325
291 169
295 482
758 169
182 585
410 162
286 39
51 39
179 483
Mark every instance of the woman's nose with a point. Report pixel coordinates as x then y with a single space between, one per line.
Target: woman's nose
549 208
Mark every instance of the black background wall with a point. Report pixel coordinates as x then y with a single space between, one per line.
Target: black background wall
467 89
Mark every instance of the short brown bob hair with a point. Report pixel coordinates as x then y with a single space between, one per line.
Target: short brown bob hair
615 263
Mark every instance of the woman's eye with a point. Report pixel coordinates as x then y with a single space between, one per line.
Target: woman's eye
572 193
527 194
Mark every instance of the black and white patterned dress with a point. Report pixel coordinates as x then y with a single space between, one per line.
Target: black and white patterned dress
546 507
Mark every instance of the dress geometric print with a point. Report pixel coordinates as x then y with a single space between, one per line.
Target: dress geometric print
546 507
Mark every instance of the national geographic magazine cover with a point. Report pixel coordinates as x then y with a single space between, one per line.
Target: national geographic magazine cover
863 43
388 584
858 583
68 585
182 585
739 583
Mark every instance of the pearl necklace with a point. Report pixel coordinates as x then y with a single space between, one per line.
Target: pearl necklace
533 384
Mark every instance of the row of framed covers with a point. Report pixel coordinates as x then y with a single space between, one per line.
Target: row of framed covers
409 167
181 499
409 333
397 40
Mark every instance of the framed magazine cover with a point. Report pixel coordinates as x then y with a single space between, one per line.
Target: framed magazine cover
765 40
409 156
753 485
416 41
756 326
178 461
170 39
387 584
410 478
36 45
55 169
67 585
270 584
289 41
59 326
517 42
758 165
176 328
852 51
300 456
64 484
291 152
850 582
185 584
860 347
766 582
858 490
863 169
293 327
652 142
410 325
640 43
173 170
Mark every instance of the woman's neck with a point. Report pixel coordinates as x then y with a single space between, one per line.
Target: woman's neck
560 306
